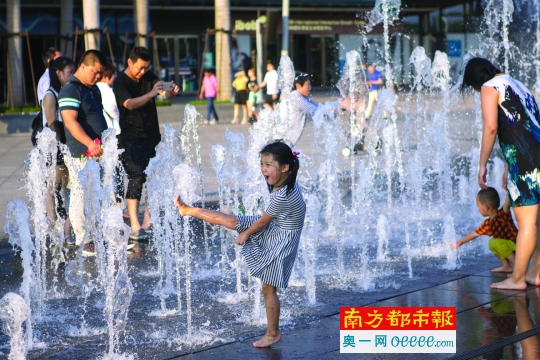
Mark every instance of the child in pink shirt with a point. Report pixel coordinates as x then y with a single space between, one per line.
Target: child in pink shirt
210 90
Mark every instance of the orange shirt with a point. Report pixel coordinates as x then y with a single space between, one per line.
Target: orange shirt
501 227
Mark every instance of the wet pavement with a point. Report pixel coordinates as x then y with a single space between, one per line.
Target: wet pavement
225 329
223 323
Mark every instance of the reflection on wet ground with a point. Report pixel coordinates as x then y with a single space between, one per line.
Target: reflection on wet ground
484 316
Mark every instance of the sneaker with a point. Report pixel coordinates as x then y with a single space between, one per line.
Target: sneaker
213 122
89 250
140 235
205 122
69 242
131 244
149 230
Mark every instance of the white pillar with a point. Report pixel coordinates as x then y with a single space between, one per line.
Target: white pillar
223 54
66 26
15 70
285 28
91 21
140 12
259 44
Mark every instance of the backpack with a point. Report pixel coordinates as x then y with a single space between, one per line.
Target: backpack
56 126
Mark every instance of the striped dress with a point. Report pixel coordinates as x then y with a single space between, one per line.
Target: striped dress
271 252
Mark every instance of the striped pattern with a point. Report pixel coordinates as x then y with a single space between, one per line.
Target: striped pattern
69 104
270 253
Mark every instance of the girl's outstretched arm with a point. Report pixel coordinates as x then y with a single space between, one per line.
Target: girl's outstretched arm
211 216
253 229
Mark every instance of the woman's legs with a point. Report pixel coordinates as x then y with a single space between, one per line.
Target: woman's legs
211 216
533 275
526 217
271 301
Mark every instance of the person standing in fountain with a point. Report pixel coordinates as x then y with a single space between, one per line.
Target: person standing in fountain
302 106
136 89
510 112
60 71
270 242
79 102
375 83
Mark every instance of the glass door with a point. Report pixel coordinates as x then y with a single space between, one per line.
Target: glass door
179 60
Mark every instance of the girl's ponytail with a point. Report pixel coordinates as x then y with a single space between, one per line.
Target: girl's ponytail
283 154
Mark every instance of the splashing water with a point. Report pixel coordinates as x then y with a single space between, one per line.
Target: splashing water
382 234
162 191
385 12
117 286
35 176
13 312
187 179
308 243
449 236
498 16
18 229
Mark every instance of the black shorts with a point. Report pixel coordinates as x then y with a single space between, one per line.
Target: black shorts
268 99
136 156
241 97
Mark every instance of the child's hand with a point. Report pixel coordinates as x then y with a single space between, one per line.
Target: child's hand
241 239
455 245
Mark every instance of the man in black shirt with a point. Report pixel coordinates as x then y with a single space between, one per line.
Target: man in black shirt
135 90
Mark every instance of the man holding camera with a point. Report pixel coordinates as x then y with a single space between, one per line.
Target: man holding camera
136 89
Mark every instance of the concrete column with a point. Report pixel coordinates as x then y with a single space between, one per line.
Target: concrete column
15 68
91 21
140 13
66 26
285 28
223 53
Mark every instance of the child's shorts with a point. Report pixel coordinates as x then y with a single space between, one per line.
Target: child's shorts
501 247
254 97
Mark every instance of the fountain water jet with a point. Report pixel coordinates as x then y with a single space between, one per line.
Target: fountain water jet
13 312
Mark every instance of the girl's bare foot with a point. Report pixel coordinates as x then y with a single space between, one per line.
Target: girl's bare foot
509 284
182 207
502 269
267 341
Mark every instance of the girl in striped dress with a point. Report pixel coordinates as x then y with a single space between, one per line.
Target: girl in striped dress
270 241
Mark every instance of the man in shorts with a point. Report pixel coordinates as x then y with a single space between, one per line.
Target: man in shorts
271 82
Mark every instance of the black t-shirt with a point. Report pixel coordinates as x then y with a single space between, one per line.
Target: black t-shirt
141 122
252 84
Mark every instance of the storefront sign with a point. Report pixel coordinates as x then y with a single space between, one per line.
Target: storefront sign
326 26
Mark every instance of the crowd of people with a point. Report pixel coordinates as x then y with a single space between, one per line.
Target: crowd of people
79 104
246 94
91 98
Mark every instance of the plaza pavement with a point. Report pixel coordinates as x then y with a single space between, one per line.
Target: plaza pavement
467 289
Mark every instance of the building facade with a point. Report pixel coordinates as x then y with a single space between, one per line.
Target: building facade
181 35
